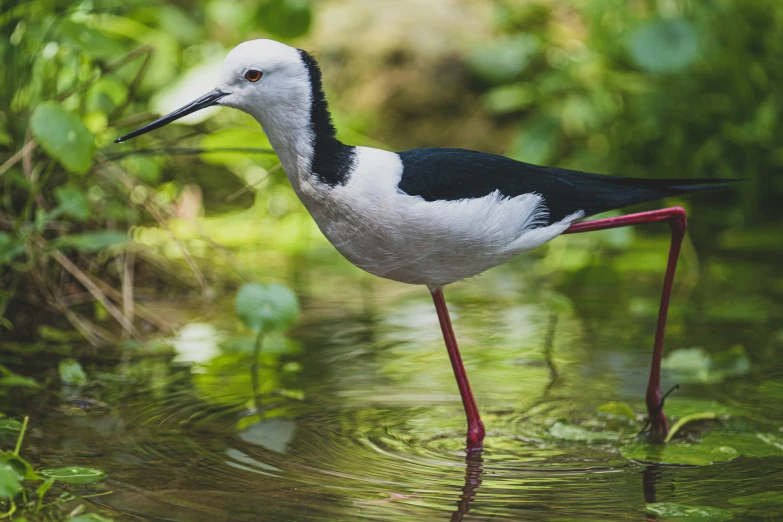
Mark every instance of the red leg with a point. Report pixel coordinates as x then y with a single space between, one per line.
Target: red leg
475 426
675 216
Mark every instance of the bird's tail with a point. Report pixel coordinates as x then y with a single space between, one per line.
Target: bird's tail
613 192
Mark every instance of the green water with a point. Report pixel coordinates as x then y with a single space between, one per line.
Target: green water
358 415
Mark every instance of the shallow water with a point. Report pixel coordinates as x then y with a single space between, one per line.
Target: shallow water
360 416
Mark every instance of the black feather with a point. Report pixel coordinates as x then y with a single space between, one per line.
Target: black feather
452 174
333 161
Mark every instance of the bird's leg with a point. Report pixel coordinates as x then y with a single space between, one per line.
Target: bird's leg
475 426
676 218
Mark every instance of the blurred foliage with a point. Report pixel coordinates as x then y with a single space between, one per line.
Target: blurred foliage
650 89
647 89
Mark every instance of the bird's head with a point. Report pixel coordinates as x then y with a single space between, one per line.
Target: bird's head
266 79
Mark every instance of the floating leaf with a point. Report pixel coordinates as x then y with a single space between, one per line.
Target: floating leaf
564 431
92 241
617 410
748 443
677 512
664 46
71 372
679 454
74 474
265 307
63 136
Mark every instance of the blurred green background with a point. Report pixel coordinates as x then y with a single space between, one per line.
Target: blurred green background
118 263
664 88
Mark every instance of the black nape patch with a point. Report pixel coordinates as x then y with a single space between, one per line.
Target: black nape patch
333 161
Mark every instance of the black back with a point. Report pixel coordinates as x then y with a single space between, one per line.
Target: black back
333 161
452 174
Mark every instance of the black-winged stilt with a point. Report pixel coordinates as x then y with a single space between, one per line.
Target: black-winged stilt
429 216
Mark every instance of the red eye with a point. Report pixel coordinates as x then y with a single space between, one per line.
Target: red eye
252 75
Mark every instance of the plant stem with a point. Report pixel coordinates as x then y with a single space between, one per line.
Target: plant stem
254 370
709 415
21 436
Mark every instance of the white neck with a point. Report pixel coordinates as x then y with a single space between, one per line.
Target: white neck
292 139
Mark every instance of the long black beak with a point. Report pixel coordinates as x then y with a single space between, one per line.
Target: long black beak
208 100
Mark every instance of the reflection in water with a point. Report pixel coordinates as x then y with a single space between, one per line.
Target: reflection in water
472 482
365 420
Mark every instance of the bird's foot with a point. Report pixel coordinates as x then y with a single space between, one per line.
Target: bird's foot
656 420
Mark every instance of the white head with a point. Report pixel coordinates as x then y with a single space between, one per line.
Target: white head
271 81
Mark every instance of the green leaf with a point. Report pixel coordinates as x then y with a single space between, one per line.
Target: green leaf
63 136
73 203
10 485
44 488
677 512
749 443
564 431
74 474
285 18
508 98
92 42
265 307
233 138
696 365
617 410
92 241
664 46
71 372
22 468
10 248
679 454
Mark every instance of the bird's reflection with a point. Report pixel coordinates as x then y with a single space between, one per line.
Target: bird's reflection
473 474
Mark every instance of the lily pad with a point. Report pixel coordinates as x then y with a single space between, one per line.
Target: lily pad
749 443
676 512
564 431
617 411
74 474
679 454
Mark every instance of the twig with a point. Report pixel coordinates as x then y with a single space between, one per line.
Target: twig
18 155
185 150
247 187
91 287
127 284
130 184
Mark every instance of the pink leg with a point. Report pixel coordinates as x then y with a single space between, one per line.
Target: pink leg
678 223
475 426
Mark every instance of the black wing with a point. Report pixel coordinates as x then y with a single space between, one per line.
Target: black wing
451 174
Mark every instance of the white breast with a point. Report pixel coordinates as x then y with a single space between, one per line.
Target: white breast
405 238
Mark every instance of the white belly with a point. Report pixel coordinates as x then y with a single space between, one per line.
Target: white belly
407 239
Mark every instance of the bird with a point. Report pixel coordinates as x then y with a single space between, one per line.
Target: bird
430 216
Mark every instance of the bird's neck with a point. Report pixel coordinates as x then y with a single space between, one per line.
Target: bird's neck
304 136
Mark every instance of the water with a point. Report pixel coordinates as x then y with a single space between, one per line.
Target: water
360 416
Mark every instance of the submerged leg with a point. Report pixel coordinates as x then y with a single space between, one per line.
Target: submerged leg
475 426
675 216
